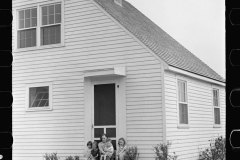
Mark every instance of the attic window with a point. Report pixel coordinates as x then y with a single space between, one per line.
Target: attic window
118 2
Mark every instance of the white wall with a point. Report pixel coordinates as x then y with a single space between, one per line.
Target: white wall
92 41
187 142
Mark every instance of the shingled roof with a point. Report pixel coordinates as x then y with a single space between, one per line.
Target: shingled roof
161 43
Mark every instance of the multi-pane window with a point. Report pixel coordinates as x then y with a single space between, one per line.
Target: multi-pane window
27 25
216 106
51 24
39 97
182 101
39 26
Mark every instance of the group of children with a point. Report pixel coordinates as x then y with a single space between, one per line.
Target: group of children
94 153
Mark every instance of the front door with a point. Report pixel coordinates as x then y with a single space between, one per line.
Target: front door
104 111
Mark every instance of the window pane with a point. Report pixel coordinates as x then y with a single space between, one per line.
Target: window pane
21 24
215 97
28 33
44 35
52 30
22 43
58 8
45 96
21 39
49 35
51 19
58 38
28 42
182 91
52 39
44 11
98 132
182 97
111 132
183 114
34 22
27 38
21 14
186 115
39 95
27 23
44 20
35 103
42 103
58 29
33 41
45 40
214 94
217 115
47 103
51 9
45 31
36 95
215 102
34 37
34 12
22 35
58 18
27 13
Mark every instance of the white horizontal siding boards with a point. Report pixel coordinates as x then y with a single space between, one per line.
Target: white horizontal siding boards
188 142
92 41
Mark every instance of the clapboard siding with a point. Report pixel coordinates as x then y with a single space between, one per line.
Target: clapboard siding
92 41
188 142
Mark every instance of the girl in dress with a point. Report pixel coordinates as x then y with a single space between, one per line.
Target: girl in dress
121 148
87 154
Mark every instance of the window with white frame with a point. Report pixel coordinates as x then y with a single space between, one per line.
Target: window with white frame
51 24
27 27
182 102
39 26
39 96
216 106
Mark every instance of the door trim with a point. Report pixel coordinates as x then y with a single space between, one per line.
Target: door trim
120 105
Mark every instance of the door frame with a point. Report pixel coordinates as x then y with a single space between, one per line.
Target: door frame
106 81
120 105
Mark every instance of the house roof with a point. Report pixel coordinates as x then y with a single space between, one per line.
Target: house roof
161 43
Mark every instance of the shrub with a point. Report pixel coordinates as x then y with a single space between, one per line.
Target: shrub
216 151
131 153
72 158
52 156
161 151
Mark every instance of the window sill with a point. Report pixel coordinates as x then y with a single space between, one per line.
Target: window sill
217 126
183 126
38 109
39 47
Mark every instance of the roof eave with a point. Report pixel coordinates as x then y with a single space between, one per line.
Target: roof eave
180 71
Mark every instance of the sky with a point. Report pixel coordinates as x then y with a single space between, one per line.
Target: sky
199 25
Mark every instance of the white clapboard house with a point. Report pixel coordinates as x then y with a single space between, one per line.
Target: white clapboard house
86 67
